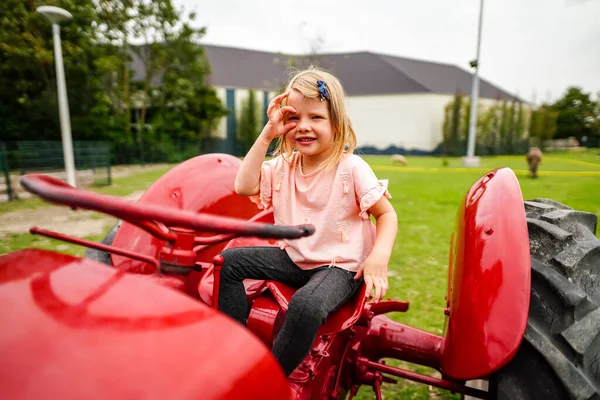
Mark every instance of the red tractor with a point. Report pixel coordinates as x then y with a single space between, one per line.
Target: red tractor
522 304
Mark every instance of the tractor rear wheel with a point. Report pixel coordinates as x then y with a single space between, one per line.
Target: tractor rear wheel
559 357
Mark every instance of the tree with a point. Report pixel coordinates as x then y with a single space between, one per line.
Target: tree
505 127
542 124
520 121
488 129
596 140
167 91
451 131
106 96
249 125
501 127
186 109
575 114
122 21
512 136
28 101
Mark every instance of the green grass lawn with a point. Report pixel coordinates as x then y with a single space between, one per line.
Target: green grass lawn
16 241
426 196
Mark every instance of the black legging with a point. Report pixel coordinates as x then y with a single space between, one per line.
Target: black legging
321 291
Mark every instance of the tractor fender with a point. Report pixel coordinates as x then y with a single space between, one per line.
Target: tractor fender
489 279
202 184
74 329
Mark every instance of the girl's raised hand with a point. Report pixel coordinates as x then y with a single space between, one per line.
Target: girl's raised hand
276 125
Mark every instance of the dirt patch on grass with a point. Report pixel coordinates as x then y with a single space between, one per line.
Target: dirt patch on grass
126 170
62 219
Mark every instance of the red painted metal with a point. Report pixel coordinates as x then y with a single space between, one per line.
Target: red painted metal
76 329
178 247
180 252
390 339
94 245
217 264
315 378
264 317
377 388
159 231
176 282
206 290
489 280
386 306
201 184
204 240
56 191
364 365
342 319
488 296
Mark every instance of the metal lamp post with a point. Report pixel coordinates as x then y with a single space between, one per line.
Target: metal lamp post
470 160
56 15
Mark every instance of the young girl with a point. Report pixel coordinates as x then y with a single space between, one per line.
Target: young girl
316 180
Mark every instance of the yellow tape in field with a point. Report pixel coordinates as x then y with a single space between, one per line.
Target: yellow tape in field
484 170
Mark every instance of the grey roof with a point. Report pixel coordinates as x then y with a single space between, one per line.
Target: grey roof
368 74
445 78
241 68
361 73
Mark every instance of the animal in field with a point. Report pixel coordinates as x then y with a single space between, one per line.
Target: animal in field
534 158
399 158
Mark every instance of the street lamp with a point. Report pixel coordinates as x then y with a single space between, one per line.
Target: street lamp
470 160
56 15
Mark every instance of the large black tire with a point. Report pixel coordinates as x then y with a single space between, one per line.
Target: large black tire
559 357
103 256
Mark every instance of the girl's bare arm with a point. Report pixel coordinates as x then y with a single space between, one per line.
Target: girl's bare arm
247 180
374 268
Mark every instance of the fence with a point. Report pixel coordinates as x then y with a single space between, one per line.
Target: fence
6 192
168 151
92 163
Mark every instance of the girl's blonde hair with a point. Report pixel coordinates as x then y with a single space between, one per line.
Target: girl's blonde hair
344 138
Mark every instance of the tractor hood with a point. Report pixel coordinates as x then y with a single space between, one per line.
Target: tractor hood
73 329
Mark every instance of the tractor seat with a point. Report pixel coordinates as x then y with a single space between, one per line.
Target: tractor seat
337 321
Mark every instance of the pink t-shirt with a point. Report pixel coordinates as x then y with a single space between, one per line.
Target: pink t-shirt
335 201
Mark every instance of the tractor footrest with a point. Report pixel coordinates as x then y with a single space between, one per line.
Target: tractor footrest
387 306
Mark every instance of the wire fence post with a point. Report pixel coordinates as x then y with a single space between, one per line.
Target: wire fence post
4 167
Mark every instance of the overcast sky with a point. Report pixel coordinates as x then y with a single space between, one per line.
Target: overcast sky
534 48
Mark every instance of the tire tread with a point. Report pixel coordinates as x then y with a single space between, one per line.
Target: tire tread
563 330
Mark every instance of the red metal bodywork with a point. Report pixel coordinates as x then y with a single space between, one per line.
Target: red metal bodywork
489 284
75 329
488 292
202 185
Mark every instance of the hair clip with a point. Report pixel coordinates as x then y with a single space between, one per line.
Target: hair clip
323 90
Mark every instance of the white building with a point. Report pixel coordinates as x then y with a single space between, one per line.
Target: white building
392 101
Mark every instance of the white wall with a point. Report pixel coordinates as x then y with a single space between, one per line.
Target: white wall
412 121
221 129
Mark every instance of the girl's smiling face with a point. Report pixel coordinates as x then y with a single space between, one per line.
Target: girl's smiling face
313 135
